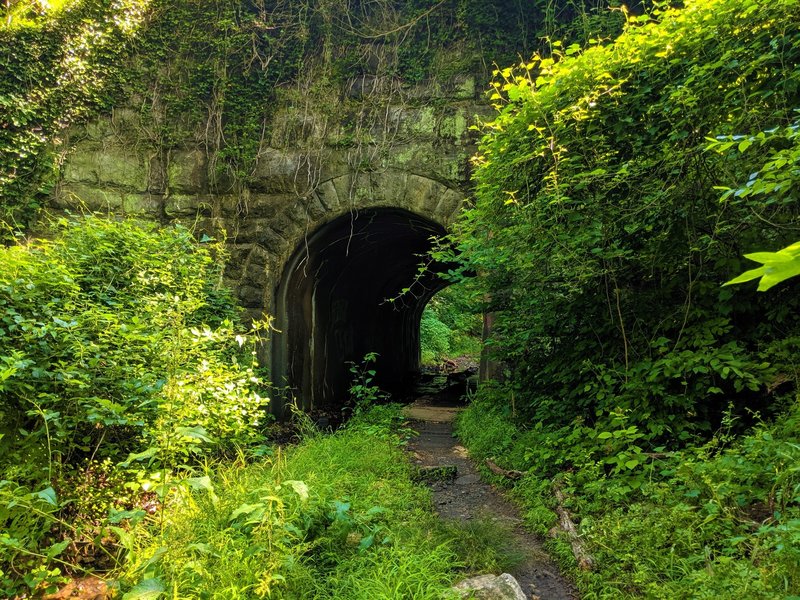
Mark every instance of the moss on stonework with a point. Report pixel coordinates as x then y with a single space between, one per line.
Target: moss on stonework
214 76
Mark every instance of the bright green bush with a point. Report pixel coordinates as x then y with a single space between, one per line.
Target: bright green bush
599 230
434 338
116 342
114 334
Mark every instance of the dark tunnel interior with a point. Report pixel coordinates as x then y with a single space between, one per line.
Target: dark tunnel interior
333 304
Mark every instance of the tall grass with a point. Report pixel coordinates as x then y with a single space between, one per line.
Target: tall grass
335 517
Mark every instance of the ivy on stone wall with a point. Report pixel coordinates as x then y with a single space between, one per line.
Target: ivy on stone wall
215 72
56 68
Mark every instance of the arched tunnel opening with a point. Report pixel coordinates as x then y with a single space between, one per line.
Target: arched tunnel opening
341 297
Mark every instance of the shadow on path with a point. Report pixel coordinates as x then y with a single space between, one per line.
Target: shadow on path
467 497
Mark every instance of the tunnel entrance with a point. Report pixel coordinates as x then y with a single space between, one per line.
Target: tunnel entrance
332 304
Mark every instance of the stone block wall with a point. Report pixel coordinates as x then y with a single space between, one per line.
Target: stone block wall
417 159
411 154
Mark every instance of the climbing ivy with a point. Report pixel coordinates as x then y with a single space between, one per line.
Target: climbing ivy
211 74
56 68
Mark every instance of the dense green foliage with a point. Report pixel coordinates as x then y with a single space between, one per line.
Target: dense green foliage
617 189
335 517
721 520
603 239
56 68
449 328
125 377
775 182
118 342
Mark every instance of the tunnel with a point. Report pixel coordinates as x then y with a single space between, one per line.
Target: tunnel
341 296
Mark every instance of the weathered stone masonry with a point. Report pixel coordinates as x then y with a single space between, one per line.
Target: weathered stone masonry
387 196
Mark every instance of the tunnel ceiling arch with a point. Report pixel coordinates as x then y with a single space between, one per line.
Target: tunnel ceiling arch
332 303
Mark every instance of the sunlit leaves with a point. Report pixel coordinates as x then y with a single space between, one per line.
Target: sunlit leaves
776 267
615 235
56 67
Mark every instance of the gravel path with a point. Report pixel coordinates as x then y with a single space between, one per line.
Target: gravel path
467 497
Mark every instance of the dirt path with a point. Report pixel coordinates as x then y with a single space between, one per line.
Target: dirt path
468 497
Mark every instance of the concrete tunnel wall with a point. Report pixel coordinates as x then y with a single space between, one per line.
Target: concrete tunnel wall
333 304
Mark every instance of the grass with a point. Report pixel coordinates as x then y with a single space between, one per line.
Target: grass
715 521
335 517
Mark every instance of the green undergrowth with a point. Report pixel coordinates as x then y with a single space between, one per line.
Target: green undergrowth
337 516
450 327
123 367
716 520
134 442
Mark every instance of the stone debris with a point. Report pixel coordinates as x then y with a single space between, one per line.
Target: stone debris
491 587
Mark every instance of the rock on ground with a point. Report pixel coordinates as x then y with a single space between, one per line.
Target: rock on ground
491 587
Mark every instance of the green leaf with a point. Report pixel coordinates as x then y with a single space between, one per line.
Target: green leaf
747 276
247 509
48 494
149 453
149 589
300 488
116 516
366 542
200 483
769 257
203 483
777 273
194 433
125 537
58 548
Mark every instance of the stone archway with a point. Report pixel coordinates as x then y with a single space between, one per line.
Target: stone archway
333 303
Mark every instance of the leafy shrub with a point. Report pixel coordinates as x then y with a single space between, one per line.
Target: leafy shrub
600 233
115 333
363 391
117 342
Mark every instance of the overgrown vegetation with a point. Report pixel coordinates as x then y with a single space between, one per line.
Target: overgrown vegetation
132 442
334 517
602 235
59 63
720 519
449 327
124 366
617 189
209 76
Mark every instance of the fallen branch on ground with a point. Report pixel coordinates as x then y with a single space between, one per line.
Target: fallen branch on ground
585 560
498 470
